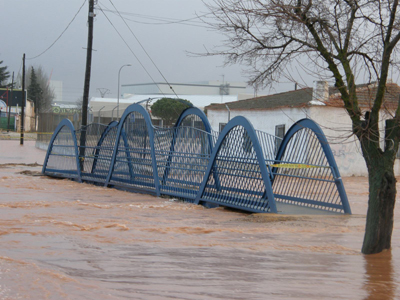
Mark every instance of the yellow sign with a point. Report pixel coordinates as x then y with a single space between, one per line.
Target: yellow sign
296 166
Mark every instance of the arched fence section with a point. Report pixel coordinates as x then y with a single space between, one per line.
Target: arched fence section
90 153
240 168
133 163
183 153
237 174
103 153
62 158
305 172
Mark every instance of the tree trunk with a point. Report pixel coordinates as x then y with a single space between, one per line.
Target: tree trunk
382 198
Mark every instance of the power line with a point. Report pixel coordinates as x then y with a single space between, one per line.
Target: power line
137 58
165 79
163 20
60 34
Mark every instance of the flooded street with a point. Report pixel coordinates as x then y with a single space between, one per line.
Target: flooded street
65 240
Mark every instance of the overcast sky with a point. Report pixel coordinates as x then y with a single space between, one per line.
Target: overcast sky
32 26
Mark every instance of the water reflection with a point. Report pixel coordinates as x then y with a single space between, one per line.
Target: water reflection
379 276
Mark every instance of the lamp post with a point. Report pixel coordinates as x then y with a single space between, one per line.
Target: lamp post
99 113
112 113
119 75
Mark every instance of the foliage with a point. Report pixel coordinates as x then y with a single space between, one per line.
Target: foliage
44 101
79 102
34 89
341 39
169 109
4 75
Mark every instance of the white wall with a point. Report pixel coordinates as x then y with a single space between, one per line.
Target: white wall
264 120
336 125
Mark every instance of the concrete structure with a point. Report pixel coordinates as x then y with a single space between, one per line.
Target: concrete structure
275 114
29 116
199 88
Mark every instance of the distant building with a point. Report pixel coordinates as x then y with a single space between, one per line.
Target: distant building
13 100
14 103
199 94
199 88
105 110
57 87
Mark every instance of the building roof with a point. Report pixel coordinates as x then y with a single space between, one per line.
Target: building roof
297 98
304 97
366 96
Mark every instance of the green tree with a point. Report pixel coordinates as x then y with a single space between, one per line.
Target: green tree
47 95
34 90
169 109
4 75
341 39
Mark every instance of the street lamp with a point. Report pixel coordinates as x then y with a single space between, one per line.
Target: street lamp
112 113
119 74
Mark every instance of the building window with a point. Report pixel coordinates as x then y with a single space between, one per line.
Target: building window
279 133
221 126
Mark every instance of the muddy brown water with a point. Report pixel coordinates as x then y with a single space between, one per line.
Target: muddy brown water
65 240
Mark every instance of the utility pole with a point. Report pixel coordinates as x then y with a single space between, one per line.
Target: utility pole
85 101
21 140
9 101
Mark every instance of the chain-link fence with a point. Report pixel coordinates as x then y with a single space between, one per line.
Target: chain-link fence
48 122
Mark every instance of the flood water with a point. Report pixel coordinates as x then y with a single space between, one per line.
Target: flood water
65 240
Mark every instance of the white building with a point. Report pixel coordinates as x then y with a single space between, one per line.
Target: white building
275 114
200 94
57 87
105 110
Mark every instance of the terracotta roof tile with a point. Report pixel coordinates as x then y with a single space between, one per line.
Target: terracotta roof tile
366 95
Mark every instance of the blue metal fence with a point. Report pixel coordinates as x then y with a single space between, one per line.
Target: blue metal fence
239 168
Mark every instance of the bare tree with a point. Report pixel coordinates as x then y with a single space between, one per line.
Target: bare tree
79 102
342 39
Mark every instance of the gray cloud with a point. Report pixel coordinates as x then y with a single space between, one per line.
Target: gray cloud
32 26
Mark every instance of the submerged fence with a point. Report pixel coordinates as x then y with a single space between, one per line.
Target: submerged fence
239 168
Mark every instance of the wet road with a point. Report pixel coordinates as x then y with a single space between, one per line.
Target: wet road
65 240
